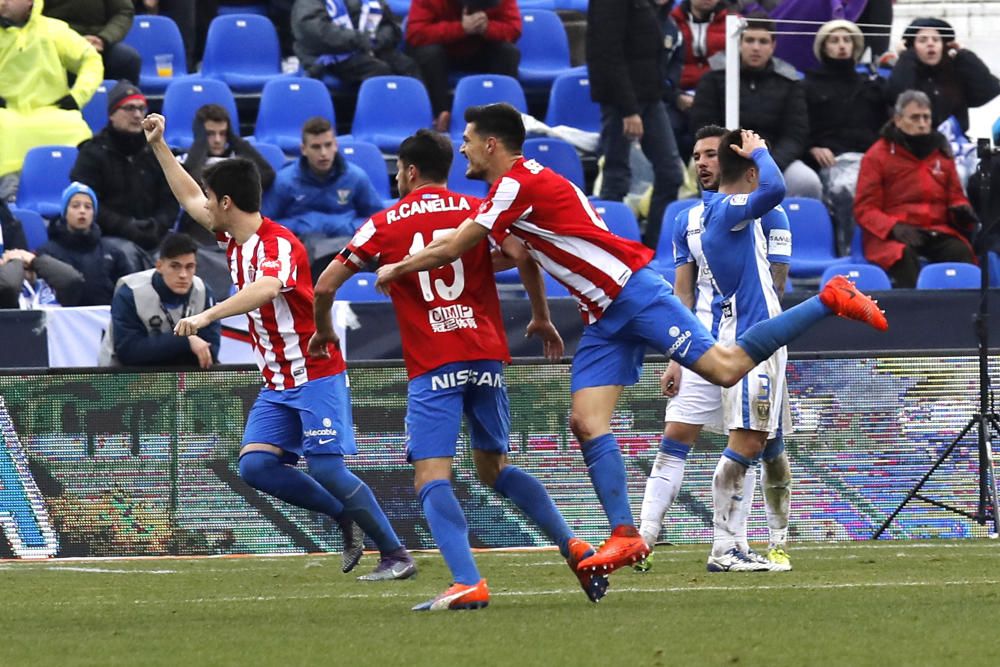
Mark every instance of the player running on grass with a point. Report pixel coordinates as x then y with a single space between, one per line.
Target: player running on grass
696 403
627 305
454 346
304 407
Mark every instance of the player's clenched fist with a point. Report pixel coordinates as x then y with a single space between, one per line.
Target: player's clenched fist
386 274
189 326
153 125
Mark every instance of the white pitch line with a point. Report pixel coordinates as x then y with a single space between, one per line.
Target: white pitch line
102 570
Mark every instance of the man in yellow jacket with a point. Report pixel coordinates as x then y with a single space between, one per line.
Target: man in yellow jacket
37 106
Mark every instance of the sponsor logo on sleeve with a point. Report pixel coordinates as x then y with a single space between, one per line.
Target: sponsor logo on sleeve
779 242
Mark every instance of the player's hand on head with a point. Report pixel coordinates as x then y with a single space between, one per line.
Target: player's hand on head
153 125
670 380
319 344
751 142
552 343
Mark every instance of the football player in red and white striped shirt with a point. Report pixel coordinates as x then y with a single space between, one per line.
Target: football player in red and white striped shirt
304 407
627 306
454 346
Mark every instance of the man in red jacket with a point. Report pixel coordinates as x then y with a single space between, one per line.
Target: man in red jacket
703 26
471 35
909 201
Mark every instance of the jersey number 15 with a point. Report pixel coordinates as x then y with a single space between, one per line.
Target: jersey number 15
444 290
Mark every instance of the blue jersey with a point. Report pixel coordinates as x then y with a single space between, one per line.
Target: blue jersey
735 248
708 300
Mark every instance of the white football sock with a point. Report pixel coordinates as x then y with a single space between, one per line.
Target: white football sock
777 483
662 487
746 507
727 496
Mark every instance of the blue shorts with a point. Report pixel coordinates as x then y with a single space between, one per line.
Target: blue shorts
645 314
312 419
437 399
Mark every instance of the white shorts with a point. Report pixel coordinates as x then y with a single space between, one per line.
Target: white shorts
758 402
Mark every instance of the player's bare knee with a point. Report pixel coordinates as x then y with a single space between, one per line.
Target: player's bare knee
581 426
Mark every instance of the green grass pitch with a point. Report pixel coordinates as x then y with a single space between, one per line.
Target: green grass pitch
885 603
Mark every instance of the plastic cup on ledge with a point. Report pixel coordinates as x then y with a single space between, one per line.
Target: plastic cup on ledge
164 65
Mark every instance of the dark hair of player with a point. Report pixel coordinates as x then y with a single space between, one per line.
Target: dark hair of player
710 131
500 120
239 179
429 152
732 166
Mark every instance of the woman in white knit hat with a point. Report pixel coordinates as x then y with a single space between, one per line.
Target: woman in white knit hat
846 110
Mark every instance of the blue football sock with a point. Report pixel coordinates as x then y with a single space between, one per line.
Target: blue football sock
359 501
531 498
449 530
265 472
675 448
736 456
607 474
764 338
774 447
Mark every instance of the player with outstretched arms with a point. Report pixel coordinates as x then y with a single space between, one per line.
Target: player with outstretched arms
626 305
454 346
696 403
304 408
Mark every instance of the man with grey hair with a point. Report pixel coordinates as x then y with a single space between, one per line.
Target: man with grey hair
909 201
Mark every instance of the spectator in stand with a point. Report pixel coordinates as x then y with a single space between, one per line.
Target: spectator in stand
703 27
954 78
27 280
137 208
910 202
103 23
625 60
353 40
215 140
677 100
772 103
321 197
37 105
148 304
466 35
76 240
847 109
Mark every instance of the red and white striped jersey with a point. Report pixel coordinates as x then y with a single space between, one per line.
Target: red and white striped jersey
564 234
280 330
447 314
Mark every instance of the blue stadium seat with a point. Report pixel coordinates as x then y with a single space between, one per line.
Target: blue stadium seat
857 251
459 183
360 287
554 288
865 276
572 5
994 268
95 112
152 35
273 154
44 176
183 99
260 10
949 275
400 8
549 5
243 51
36 232
665 244
570 103
557 155
285 105
544 48
476 89
389 109
618 217
813 246
368 157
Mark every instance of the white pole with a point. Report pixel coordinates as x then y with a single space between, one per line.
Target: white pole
733 31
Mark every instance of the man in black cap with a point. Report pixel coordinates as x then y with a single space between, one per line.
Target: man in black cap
934 63
136 204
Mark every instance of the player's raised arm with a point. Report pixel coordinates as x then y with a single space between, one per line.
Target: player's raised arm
185 189
770 190
443 250
253 296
